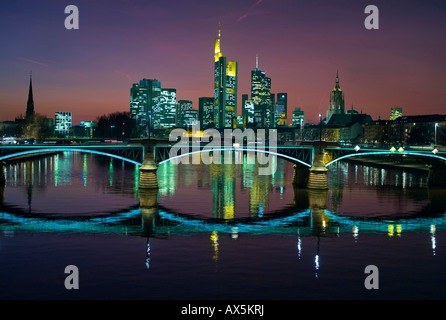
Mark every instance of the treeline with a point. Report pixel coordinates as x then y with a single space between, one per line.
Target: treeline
116 125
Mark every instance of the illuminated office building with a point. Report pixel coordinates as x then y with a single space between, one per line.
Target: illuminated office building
186 116
63 123
206 112
164 109
396 112
280 114
261 97
298 117
142 97
247 112
225 88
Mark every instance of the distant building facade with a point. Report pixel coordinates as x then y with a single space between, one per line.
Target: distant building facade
206 112
298 117
281 109
186 116
395 112
62 123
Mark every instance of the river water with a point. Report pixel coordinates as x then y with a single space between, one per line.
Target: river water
218 232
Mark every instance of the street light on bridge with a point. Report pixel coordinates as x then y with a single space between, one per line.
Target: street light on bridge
436 125
320 133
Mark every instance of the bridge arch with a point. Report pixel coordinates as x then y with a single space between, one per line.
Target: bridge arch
63 149
211 149
414 153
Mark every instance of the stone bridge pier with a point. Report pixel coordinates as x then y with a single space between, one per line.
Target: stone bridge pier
314 177
148 178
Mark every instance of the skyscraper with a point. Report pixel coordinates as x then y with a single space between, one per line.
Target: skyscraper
225 88
142 97
206 112
298 117
30 103
186 116
281 112
336 101
164 109
261 97
247 112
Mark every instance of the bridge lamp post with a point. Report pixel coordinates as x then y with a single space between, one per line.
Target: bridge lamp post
436 125
320 133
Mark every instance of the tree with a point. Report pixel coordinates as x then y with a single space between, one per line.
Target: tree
35 127
117 125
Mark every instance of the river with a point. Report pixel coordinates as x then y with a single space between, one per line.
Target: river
218 232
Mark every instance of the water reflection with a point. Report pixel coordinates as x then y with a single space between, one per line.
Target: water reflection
84 193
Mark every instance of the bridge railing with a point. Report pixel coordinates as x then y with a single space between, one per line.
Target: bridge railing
302 155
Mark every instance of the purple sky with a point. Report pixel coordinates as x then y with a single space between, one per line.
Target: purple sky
301 45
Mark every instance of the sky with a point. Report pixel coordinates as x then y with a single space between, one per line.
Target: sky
301 46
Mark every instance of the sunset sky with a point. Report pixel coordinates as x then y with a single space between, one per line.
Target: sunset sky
301 45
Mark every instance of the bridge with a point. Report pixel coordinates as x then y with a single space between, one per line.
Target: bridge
311 160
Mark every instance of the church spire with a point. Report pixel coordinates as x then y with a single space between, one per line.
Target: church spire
30 103
337 87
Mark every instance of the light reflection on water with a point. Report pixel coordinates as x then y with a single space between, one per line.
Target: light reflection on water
79 194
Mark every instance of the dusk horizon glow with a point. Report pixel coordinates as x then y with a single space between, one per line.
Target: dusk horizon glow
301 46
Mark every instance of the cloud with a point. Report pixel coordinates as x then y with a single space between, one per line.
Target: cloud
33 61
248 14
129 77
242 17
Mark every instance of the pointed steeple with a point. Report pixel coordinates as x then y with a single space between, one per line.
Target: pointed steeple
337 87
30 103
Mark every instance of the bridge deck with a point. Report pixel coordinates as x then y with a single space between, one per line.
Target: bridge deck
131 153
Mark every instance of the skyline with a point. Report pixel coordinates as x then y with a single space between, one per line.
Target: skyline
89 71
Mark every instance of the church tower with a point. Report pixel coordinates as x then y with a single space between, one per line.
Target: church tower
336 100
30 103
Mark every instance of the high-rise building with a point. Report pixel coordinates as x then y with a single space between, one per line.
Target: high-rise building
225 88
247 112
206 112
280 114
30 102
336 100
63 123
164 109
186 116
142 97
396 112
298 117
261 97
